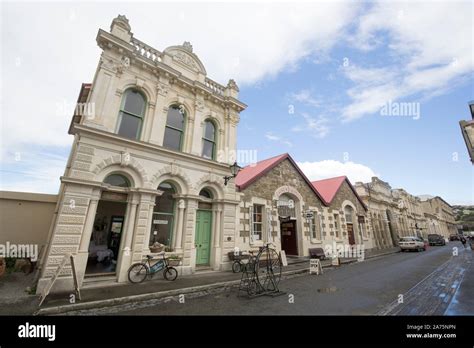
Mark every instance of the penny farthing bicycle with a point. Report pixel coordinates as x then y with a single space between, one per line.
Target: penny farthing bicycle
268 267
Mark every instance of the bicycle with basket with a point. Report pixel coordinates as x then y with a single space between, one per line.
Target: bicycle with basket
139 271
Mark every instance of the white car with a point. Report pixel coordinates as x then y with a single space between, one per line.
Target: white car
412 243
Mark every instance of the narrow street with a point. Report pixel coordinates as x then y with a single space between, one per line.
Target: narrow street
365 288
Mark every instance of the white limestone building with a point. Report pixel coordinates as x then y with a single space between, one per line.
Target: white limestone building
146 164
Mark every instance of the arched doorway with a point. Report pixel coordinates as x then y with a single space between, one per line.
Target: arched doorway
288 224
349 217
109 226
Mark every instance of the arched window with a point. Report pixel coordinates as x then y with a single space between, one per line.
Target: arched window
131 114
209 140
174 128
205 193
348 214
117 180
163 216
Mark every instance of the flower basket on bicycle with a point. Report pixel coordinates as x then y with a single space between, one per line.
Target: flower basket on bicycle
139 271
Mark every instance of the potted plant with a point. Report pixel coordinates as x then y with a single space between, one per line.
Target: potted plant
174 260
157 247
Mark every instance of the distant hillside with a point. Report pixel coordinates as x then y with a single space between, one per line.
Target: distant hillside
464 216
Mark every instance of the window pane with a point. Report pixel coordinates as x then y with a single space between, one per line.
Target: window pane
172 139
209 131
207 149
175 118
134 103
205 193
117 180
129 126
162 224
165 202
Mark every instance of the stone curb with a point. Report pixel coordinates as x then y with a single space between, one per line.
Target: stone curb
168 293
149 296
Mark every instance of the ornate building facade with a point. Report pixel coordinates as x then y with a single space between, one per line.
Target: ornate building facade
146 165
439 217
384 221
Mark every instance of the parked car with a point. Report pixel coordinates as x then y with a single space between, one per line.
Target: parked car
436 239
412 243
454 237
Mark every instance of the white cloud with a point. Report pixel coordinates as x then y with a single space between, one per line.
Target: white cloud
49 49
317 127
331 168
431 46
306 96
31 171
272 137
244 41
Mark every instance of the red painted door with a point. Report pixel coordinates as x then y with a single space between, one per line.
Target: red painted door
288 237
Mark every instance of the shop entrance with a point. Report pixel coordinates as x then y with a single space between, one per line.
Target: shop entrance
109 225
288 237
203 237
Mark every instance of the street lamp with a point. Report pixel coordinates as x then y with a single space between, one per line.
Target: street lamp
471 108
234 170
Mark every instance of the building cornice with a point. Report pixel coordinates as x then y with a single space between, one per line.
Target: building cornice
211 90
102 135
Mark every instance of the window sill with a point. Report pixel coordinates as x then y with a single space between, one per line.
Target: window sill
257 243
316 241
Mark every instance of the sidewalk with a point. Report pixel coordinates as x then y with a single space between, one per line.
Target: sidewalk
95 297
463 301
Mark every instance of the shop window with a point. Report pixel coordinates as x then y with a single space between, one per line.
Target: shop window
174 128
257 222
131 114
163 216
209 140
314 226
117 180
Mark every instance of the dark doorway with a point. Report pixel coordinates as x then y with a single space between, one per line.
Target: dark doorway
104 246
288 237
350 233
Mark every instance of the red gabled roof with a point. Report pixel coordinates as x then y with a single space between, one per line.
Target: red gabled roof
328 188
252 173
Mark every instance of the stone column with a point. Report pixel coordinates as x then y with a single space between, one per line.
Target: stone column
125 254
178 245
158 122
88 225
190 253
146 241
83 252
217 212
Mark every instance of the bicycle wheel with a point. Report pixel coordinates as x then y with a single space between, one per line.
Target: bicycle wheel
236 267
170 273
137 273
268 269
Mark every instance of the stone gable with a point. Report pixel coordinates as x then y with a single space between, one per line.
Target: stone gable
346 193
282 174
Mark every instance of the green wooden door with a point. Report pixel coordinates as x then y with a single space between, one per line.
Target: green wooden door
203 237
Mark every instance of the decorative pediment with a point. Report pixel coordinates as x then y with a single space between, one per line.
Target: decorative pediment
184 56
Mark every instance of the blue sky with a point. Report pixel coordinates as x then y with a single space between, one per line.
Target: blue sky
314 85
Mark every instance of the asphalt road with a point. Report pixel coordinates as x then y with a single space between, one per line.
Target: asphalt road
357 289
